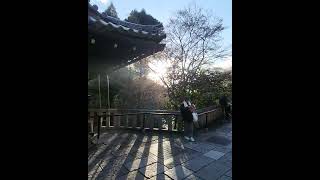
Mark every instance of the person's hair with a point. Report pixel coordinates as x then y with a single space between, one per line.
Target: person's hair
184 98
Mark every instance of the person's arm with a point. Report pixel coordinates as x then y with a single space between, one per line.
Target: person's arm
183 109
192 108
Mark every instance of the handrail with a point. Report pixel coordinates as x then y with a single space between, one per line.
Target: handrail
142 111
125 114
145 119
207 112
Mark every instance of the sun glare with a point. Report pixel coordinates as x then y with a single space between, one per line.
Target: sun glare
159 70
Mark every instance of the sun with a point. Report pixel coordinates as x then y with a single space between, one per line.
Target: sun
159 69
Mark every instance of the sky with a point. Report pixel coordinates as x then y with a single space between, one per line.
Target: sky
162 10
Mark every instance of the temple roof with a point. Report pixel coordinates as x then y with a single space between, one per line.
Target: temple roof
101 22
113 43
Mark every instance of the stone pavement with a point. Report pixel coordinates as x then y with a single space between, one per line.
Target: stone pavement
126 154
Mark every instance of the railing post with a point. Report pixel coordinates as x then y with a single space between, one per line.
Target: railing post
143 123
107 119
91 120
117 121
180 124
160 124
175 121
134 121
151 122
99 124
112 119
206 128
126 121
169 121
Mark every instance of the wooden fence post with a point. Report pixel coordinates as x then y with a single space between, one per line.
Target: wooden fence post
180 124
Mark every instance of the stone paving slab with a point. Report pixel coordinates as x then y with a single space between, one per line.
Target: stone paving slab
134 175
225 178
100 152
213 171
140 155
229 173
145 139
161 159
139 163
138 146
160 156
94 172
160 177
197 163
181 158
214 154
226 159
219 139
112 168
112 173
163 146
178 172
200 147
166 154
174 149
96 160
122 152
224 149
152 170
192 177
96 167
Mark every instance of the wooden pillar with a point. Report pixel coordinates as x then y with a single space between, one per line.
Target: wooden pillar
206 128
91 121
169 121
160 123
180 124
143 122
108 119
151 122
99 123
126 121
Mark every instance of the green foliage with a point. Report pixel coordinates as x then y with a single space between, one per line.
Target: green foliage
209 86
111 11
141 18
204 89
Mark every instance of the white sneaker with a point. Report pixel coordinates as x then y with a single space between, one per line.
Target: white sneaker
191 139
187 138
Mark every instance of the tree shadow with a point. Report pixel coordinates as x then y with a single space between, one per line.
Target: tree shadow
117 149
181 154
160 158
95 161
132 157
145 156
96 156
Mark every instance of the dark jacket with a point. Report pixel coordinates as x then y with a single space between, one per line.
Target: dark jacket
186 113
223 101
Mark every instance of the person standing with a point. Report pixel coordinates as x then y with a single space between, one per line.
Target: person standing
224 103
186 109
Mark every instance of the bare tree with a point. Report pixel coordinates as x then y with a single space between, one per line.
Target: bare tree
192 43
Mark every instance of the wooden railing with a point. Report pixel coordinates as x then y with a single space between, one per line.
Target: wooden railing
160 120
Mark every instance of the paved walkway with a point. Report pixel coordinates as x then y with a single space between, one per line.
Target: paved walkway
133 155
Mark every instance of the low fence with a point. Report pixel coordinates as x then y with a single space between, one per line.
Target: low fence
143 119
